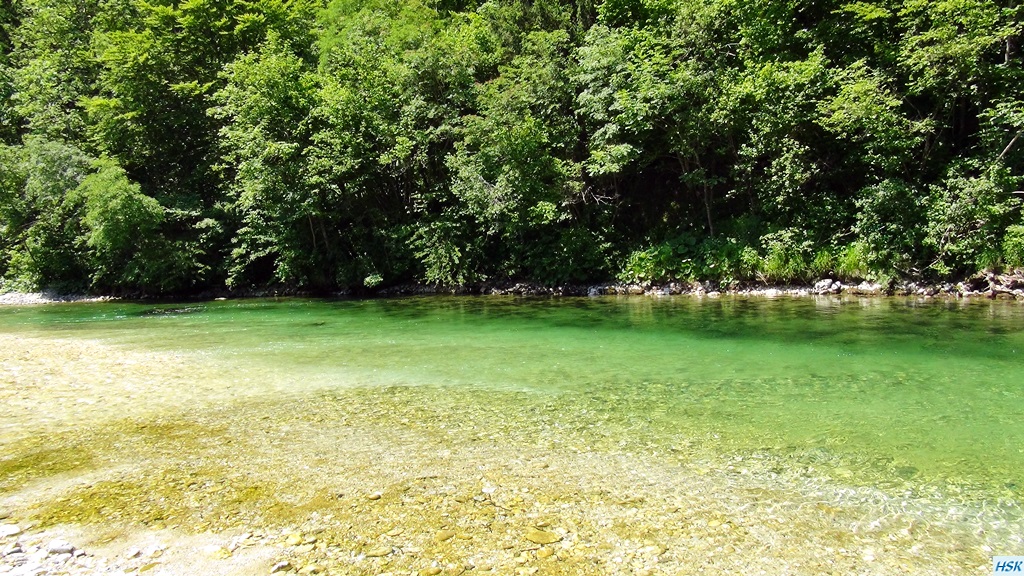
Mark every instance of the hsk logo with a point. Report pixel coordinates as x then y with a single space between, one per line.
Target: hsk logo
1008 565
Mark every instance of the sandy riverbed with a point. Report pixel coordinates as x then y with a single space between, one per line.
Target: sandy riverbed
161 463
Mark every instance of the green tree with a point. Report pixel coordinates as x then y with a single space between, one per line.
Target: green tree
9 122
120 225
265 106
516 182
54 67
39 218
158 73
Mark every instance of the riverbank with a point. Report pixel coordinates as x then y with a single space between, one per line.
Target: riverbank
994 286
46 297
117 461
1008 286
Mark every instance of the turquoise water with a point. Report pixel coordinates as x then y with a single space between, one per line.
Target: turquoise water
880 392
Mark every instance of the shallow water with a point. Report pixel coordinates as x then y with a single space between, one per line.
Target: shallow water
935 387
916 399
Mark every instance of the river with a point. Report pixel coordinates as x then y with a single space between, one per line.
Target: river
642 435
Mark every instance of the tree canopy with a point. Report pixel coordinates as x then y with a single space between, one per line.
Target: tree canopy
158 146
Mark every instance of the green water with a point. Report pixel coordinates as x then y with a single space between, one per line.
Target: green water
886 393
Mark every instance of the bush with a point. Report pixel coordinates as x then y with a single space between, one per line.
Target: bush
785 256
121 223
39 222
890 226
1013 246
852 262
967 222
686 258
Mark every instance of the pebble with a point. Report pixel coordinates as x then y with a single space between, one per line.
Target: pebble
282 566
378 552
444 535
60 547
545 553
157 550
9 530
432 571
217 552
293 539
542 536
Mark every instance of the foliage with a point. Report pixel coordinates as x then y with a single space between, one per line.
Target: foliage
9 16
53 66
1013 246
265 105
41 223
362 143
967 218
890 224
120 224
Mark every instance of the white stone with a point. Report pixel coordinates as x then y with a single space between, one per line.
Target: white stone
60 547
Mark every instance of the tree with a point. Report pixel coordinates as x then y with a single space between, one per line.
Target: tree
39 219
120 224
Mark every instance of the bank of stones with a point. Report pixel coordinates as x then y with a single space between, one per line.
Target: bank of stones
991 285
1008 286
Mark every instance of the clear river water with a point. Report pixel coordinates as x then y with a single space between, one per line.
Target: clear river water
920 400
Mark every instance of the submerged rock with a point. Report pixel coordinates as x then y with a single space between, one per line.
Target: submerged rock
378 552
538 536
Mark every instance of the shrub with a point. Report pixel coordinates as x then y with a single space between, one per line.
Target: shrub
1013 246
785 256
890 226
852 262
967 220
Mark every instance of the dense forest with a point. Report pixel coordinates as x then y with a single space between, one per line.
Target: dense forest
166 146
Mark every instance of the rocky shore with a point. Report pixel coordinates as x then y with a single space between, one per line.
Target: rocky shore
1009 286
991 285
29 298
35 553
24 555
